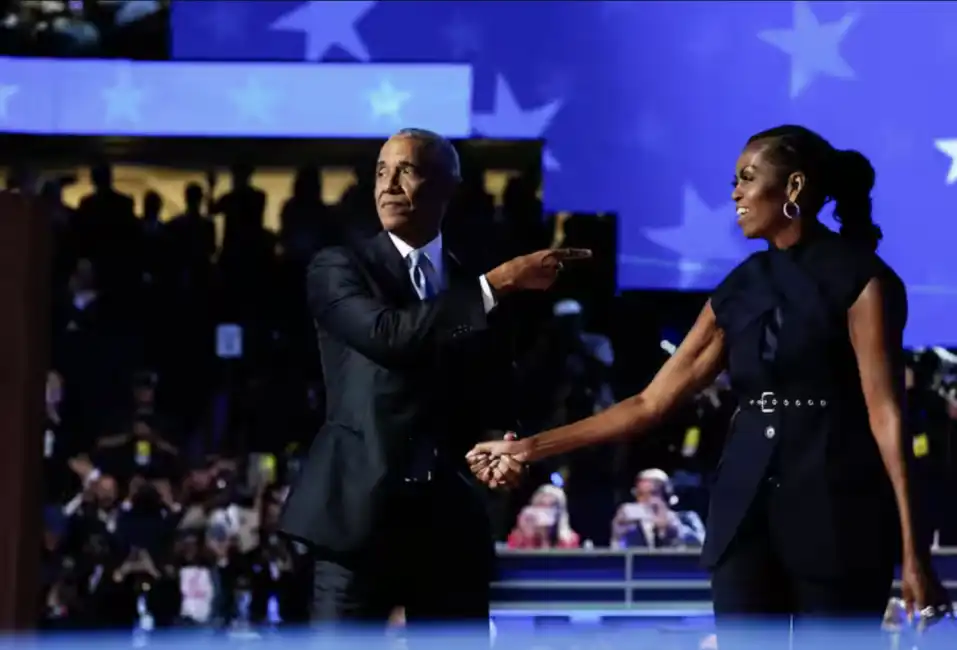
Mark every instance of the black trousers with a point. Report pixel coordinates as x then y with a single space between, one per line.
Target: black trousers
759 603
432 554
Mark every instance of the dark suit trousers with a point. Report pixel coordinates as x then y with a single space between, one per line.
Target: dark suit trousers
759 603
431 553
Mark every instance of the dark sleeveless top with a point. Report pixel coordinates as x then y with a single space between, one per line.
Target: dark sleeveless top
802 431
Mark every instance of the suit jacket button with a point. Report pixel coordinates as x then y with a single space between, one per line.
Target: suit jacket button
769 433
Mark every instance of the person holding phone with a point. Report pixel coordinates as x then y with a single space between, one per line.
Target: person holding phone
811 505
544 523
650 521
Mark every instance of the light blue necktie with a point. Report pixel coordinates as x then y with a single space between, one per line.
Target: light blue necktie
422 274
423 452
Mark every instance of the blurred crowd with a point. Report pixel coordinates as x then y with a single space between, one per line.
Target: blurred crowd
185 385
133 29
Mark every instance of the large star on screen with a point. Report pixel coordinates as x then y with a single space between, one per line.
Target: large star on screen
326 23
7 91
949 148
387 101
254 101
123 99
509 121
706 233
814 47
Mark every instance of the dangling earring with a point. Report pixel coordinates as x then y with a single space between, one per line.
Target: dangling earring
791 210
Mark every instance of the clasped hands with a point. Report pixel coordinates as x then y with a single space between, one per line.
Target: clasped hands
499 463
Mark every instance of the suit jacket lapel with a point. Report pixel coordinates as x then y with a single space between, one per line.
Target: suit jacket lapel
394 272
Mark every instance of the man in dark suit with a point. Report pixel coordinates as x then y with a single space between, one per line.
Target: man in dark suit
415 371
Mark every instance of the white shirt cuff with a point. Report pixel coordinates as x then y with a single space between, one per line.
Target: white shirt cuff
488 298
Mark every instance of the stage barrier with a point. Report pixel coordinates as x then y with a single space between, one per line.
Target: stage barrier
633 582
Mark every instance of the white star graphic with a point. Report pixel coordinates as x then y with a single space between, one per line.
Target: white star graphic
387 101
707 235
6 92
123 99
814 47
326 23
508 120
949 147
463 37
254 101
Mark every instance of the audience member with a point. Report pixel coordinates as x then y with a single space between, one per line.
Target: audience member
649 521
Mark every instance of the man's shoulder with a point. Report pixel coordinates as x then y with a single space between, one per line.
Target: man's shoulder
351 253
350 259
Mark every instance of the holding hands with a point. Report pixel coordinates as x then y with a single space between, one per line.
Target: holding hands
500 463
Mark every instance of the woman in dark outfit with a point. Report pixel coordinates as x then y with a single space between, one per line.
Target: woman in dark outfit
810 509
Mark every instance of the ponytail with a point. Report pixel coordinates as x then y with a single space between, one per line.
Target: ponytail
852 181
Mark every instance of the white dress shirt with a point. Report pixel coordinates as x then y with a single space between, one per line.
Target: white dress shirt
433 252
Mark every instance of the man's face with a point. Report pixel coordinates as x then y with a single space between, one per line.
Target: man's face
411 190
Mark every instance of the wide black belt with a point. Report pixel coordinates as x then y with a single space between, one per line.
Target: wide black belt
771 402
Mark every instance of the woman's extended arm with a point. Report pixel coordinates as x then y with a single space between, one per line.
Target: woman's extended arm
695 364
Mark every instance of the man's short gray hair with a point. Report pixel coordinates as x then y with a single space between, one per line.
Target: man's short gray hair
441 150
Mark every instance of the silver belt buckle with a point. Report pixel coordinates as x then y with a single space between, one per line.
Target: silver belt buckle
765 402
